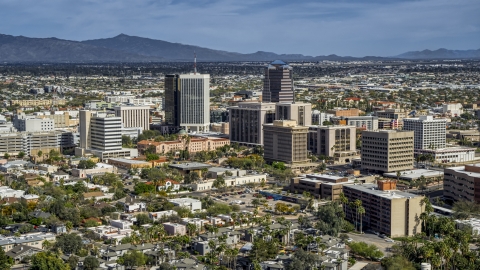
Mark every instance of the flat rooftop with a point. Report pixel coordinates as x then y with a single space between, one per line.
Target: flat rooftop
129 161
415 174
388 194
190 166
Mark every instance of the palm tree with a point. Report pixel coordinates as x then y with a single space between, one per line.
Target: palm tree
344 201
361 212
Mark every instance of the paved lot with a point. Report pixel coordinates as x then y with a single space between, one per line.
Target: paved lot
372 239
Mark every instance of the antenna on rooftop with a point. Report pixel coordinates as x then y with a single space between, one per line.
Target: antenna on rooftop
194 63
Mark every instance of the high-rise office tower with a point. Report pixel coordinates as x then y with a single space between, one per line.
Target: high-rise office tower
134 116
187 101
387 150
246 122
430 133
99 131
298 111
285 141
278 83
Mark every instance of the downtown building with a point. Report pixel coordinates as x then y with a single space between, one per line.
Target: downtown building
101 136
187 101
462 183
338 142
247 120
278 83
134 116
31 143
387 210
298 111
430 133
285 141
387 150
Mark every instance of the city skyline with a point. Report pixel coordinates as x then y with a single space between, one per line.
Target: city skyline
347 28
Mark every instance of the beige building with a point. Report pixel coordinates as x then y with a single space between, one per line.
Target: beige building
397 114
387 150
134 116
333 141
322 186
344 112
298 111
129 163
246 122
462 183
37 102
285 141
387 210
195 144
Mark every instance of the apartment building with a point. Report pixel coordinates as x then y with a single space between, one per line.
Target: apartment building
134 116
37 102
246 122
322 186
430 133
462 183
387 150
32 142
278 83
363 122
333 141
387 210
298 111
285 141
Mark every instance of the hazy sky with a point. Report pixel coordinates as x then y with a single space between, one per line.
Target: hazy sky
342 27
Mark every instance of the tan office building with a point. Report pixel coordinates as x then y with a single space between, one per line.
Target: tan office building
322 186
344 112
333 141
462 183
387 210
298 111
37 102
134 116
387 150
285 141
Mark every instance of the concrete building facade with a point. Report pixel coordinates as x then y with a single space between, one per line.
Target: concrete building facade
387 210
321 186
134 116
462 183
333 141
246 122
364 122
298 111
387 150
430 133
285 141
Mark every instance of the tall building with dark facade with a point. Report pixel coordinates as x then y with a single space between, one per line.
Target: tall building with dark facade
246 122
278 83
172 113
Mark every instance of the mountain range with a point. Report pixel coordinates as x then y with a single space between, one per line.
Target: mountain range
125 48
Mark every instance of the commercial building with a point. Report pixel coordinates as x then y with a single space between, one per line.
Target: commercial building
397 114
285 141
231 181
134 116
333 141
364 122
30 123
387 210
187 101
191 204
129 163
412 175
450 154
278 83
246 121
430 133
318 118
101 135
344 112
387 150
31 143
188 167
452 109
175 228
321 186
193 145
298 111
462 183
37 102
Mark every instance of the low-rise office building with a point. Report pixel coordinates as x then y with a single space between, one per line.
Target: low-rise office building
191 204
129 163
322 186
333 141
462 183
387 210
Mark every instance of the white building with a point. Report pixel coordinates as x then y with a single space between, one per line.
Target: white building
134 116
192 204
154 216
450 154
230 181
121 224
8 192
453 109
30 123
430 133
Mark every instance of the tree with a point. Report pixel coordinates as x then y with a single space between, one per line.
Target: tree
365 250
47 261
5 261
69 243
86 164
73 261
142 219
165 266
397 262
302 260
133 258
21 154
6 156
219 183
90 263
330 219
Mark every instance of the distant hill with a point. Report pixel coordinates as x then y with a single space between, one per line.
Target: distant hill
441 54
124 48
24 49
